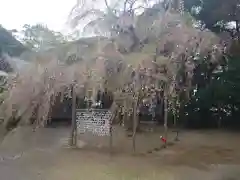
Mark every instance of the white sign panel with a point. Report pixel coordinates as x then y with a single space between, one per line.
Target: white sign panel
96 121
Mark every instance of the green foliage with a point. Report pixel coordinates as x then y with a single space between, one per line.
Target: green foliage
8 44
215 14
39 37
218 100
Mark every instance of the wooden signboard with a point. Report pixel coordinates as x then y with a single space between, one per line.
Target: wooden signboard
96 121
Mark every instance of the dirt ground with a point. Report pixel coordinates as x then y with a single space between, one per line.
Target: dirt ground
45 155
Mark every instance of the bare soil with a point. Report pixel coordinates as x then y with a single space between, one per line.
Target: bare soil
45 155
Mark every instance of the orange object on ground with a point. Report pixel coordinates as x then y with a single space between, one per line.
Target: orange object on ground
163 139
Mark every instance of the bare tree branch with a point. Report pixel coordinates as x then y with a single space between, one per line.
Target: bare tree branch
109 9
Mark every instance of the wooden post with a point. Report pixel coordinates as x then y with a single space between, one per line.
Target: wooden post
135 107
176 138
165 116
174 107
113 111
111 138
134 122
74 126
175 118
124 114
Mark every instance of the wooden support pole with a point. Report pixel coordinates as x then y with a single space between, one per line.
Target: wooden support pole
124 114
135 122
176 138
165 116
135 115
113 111
74 125
111 139
111 136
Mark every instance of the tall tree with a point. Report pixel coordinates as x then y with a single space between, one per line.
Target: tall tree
8 44
39 37
216 15
216 101
153 28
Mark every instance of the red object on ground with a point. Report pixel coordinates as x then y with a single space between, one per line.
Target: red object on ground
163 139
